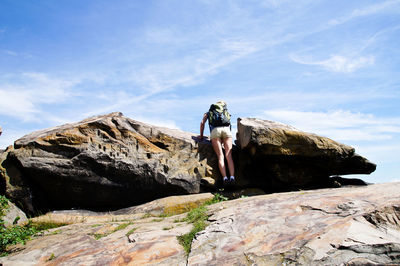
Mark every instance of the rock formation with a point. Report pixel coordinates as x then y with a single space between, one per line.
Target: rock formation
103 162
280 157
344 226
110 161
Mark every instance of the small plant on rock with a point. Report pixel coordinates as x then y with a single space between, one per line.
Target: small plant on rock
17 234
198 217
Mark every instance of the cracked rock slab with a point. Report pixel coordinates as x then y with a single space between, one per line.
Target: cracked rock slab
312 227
352 225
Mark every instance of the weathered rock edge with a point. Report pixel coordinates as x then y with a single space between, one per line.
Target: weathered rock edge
279 157
320 227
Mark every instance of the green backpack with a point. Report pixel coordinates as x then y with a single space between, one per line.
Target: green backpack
218 115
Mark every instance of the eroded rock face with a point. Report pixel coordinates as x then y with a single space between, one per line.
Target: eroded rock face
319 227
104 162
278 156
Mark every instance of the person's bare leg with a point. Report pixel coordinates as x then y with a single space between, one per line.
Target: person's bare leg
217 146
228 154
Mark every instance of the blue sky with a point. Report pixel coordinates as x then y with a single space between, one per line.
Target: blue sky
327 67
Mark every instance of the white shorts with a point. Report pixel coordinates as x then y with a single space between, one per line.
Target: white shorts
221 132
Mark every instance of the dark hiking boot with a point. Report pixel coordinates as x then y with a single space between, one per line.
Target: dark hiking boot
226 182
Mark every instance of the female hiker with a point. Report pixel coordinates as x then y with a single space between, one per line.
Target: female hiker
220 134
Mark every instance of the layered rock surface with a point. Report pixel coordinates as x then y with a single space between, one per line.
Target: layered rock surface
278 156
352 225
104 162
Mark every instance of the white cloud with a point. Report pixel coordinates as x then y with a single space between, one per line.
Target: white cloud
339 63
384 151
366 11
339 125
194 68
22 95
8 136
273 3
157 122
16 102
176 73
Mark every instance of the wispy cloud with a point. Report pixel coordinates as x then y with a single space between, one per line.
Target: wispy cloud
340 125
192 69
273 3
8 52
338 63
366 11
384 151
178 73
21 95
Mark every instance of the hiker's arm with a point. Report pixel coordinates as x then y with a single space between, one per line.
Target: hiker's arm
203 122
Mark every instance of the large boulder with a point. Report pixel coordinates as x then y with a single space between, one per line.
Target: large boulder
104 162
281 157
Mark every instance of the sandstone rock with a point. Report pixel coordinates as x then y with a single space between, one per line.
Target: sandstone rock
169 206
344 226
105 162
280 157
132 242
320 227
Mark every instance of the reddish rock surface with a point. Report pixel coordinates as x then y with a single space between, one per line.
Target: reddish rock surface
316 227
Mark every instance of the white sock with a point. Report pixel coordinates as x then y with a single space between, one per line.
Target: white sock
232 178
225 178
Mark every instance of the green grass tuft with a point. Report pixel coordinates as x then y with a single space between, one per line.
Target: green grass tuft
119 227
14 235
131 231
199 218
187 239
217 198
3 206
196 215
41 226
52 257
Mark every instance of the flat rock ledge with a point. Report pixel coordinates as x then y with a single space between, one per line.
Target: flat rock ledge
344 226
